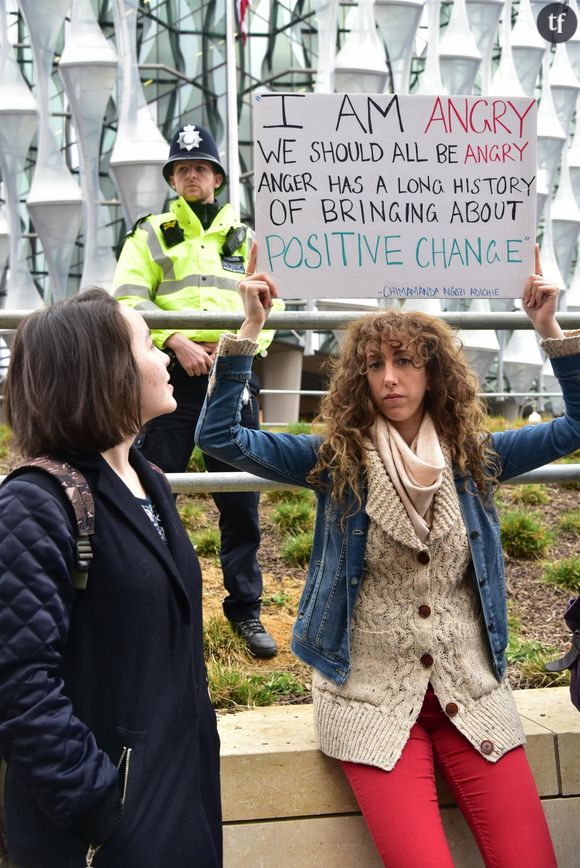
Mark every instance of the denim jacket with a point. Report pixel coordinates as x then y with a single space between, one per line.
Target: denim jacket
321 634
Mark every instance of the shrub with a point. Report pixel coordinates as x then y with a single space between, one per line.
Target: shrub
500 502
206 542
533 495
294 518
523 534
296 550
563 574
570 522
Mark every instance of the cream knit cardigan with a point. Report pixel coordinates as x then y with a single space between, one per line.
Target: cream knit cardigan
369 718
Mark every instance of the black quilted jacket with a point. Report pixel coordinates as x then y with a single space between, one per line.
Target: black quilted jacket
105 720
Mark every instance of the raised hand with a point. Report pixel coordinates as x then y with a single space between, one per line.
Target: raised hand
257 290
540 302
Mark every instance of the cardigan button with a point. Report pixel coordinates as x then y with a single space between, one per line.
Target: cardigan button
451 709
426 661
423 557
424 610
486 747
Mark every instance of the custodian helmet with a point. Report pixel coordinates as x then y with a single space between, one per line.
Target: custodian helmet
193 143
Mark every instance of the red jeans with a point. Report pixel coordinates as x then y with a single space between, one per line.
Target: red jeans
499 800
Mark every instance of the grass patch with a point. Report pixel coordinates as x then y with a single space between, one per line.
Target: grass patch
222 645
299 428
192 515
291 495
563 574
5 442
281 599
523 535
531 667
574 458
520 650
294 518
296 550
530 657
500 423
570 522
231 688
196 463
206 542
531 495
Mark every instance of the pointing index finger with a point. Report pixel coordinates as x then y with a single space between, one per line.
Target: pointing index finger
252 258
538 260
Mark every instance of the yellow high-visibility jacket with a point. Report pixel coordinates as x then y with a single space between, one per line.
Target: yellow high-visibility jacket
170 262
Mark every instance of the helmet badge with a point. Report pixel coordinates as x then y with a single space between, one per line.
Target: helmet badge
189 138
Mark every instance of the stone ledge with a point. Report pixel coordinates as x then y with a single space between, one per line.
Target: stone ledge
280 791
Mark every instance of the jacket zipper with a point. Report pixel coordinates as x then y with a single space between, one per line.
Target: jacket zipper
126 756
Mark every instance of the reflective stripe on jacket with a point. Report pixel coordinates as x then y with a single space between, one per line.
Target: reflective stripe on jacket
190 275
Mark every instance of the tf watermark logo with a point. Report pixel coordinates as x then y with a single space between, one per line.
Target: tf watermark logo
557 22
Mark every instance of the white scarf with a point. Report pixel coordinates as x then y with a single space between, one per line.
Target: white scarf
416 471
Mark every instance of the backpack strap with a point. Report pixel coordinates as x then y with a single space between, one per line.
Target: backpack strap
569 659
80 497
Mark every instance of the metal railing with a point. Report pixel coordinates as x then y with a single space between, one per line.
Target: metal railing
303 320
199 483
204 483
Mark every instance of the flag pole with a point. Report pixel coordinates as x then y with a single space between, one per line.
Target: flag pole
232 109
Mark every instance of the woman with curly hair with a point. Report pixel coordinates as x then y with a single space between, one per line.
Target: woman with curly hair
403 615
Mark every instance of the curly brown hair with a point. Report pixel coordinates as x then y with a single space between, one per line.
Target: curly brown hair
347 412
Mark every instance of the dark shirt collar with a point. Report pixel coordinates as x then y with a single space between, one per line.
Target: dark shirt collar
206 212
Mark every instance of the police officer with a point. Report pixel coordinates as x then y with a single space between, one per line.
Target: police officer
191 258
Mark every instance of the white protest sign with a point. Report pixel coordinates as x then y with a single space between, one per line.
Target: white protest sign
395 196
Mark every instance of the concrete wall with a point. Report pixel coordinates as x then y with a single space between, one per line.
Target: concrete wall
285 803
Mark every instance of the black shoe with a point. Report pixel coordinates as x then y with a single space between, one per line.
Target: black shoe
256 637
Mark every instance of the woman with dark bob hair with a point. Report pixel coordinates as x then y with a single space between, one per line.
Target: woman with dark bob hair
403 616
106 725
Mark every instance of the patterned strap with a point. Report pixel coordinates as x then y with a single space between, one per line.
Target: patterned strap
75 487
79 495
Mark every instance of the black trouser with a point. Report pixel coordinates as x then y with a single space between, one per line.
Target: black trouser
168 441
